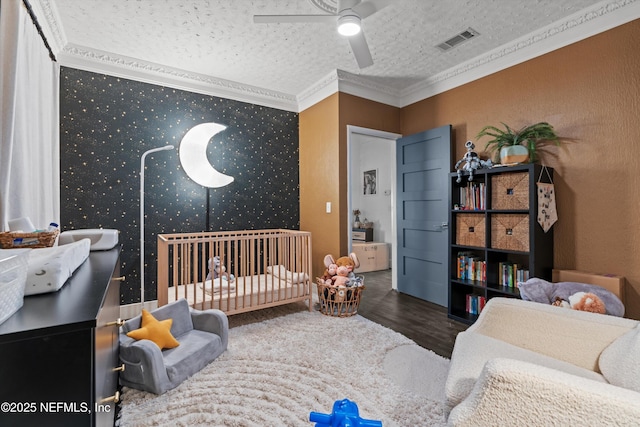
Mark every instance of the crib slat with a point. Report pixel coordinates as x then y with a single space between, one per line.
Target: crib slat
247 255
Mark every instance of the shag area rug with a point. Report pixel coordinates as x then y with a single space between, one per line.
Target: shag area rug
276 371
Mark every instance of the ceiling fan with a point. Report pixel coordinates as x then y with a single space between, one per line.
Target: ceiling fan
347 15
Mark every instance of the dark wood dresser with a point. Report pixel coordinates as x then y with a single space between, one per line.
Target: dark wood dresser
59 352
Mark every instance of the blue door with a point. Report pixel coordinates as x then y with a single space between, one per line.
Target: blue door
423 165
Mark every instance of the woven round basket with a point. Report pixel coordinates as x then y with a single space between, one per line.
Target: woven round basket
338 302
40 239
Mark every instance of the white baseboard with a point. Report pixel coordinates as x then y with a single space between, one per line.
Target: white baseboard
128 311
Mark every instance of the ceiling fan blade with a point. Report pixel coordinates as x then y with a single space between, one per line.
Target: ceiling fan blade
268 19
369 7
361 50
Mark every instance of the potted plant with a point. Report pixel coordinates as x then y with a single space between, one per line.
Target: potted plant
511 146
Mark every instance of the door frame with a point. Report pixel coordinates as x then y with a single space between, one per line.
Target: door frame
392 137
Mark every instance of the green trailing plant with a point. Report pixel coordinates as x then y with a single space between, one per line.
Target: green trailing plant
532 137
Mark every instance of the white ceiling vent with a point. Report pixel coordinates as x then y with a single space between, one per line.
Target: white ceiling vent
454 41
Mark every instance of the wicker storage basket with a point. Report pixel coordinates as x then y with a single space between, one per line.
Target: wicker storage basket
470 230
510 191
510 231
41 239
342 302
13 276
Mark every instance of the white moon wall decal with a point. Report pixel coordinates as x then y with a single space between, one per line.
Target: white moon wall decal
193 156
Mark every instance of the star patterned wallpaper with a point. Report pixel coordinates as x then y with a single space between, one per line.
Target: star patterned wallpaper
107 123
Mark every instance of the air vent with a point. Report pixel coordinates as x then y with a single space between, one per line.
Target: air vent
454 41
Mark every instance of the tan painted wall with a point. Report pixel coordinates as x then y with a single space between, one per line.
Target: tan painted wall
590 92
323 166
320 177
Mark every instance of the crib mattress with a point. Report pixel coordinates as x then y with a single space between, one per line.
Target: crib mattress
242 294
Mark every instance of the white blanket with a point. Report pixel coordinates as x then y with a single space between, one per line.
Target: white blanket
219 284
49 268
244 292
289 276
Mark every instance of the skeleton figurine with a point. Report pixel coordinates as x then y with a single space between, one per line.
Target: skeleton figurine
471 162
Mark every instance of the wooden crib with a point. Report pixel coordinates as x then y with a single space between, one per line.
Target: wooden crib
269 268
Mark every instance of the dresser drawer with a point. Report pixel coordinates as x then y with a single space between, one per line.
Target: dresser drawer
106 360
372 256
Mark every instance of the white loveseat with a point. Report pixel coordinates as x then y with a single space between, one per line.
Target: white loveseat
529 364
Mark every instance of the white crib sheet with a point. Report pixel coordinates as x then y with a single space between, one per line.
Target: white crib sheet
245 292
49 268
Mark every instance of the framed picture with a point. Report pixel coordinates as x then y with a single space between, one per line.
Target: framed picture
369 182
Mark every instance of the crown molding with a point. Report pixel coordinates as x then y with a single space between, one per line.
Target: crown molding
49 20
579 26
130 68
586 23
93 60
367 88
343 81
323 88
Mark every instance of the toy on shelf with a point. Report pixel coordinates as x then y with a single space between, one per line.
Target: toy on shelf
345 414
470 162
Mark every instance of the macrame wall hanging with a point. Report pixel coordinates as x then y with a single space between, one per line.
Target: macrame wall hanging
547 215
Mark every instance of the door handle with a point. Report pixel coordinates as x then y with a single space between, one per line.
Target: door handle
445 225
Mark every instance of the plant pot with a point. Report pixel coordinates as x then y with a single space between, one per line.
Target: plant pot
514 154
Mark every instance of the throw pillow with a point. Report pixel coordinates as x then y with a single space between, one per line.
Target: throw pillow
158 331
619 361
539 290
536 290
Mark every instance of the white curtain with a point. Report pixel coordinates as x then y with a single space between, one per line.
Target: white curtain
29 121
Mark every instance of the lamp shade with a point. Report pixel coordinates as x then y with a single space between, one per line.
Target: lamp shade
193 156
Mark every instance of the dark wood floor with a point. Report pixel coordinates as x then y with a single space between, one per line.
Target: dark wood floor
423 322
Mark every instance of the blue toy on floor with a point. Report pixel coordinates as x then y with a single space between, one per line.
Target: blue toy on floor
345 414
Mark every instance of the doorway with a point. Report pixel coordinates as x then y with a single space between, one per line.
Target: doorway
371 155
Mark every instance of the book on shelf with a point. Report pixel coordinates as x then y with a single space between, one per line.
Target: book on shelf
473 197
510 273
475 303
471 267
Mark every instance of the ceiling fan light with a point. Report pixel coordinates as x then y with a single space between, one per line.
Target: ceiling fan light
349 25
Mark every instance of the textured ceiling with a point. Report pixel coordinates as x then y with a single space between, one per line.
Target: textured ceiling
216 42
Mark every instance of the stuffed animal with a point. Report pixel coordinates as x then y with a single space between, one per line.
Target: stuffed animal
356 282
219 270
586 301
337 290
351 261
559 302
470 162
329 272
342 276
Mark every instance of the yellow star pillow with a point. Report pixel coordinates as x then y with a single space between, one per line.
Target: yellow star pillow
157 331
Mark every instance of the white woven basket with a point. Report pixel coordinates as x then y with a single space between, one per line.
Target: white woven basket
13 276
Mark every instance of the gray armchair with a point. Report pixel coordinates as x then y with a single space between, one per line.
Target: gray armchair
203 336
